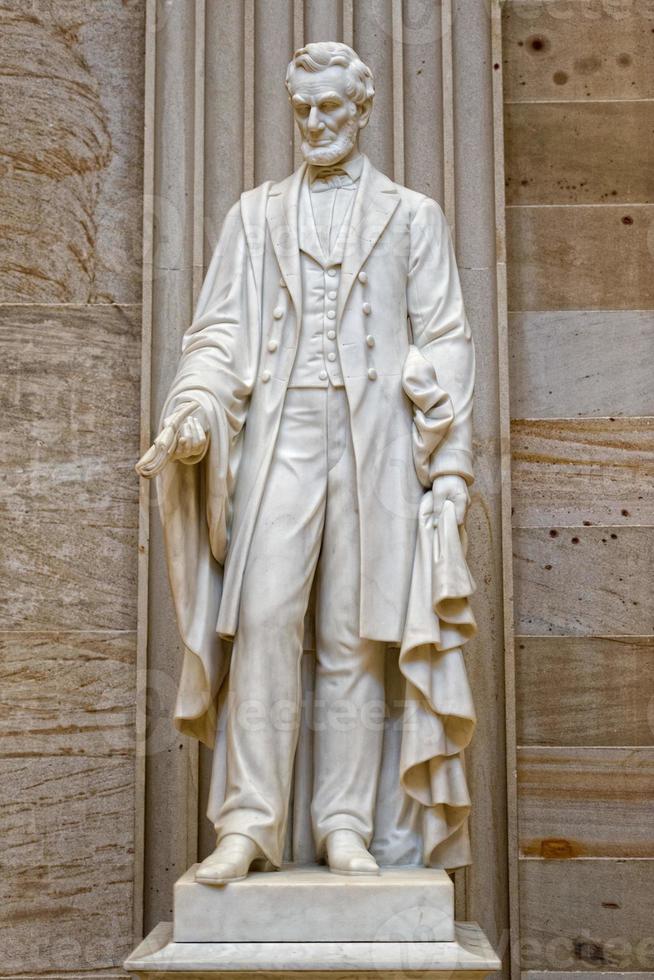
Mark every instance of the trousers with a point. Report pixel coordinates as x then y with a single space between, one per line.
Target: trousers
307 527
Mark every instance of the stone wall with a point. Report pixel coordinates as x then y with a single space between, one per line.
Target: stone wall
71 125
579 118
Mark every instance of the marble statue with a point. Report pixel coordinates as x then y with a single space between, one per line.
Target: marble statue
314 459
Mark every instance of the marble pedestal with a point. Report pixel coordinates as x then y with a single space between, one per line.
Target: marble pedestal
312 905
310 921
469 957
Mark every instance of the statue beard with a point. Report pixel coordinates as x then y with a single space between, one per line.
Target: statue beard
324 156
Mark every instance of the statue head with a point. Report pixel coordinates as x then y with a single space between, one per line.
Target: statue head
331 91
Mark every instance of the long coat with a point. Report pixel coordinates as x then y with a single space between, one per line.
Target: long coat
399 262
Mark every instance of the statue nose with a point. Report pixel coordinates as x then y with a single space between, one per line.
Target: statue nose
314 122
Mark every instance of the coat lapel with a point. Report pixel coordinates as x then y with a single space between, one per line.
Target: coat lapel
282 217
376 201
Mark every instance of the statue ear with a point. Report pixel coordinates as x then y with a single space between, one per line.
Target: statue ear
365 108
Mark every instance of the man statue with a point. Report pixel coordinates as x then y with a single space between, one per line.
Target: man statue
297 433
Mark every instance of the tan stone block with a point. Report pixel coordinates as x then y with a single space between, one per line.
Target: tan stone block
581 362
577 471
68 693
70 400
67 827
585 258
71 135
573 690
583 580
576 153
577 49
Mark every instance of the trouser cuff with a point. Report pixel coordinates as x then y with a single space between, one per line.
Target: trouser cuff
340 821
238 823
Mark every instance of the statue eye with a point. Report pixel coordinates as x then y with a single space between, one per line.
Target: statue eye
302 110
329 106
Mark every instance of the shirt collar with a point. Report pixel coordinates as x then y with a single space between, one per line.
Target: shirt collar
351 167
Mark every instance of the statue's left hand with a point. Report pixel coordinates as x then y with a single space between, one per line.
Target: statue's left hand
454 488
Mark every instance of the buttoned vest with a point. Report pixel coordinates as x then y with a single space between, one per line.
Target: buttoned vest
317 362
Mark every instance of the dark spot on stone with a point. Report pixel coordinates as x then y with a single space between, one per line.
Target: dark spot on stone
587 523
547 568
610 905
554 533
521 44
419 72
614 193
575 540
589 65
560 77
538 43
589 951
627 220
624 512
524 182
624 59
496 66
614 537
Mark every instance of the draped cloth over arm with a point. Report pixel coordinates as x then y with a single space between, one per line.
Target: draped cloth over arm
220 352
439 716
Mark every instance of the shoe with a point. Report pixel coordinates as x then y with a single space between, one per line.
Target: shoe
231 861
347 854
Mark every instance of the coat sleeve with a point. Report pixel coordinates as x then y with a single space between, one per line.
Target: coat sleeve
220 349
441 332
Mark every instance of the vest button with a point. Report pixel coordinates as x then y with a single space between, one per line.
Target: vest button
323 375
332 294
266 376
331 314
272 346
331 356
363 278
367 309
278 313
331 334
372 374
331 273
370 340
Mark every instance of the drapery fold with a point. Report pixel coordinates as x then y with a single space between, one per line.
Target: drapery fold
439 715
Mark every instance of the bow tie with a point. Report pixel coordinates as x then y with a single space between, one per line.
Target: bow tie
330 177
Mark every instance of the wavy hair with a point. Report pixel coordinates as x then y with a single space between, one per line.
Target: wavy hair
324 54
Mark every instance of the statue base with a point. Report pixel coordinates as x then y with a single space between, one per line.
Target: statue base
310 904
308 920
469 957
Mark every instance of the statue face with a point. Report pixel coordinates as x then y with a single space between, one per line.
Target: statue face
327 118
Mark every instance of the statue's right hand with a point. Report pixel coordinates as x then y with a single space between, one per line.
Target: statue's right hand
184 436
192 440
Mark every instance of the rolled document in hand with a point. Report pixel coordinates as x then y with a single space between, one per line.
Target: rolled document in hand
161 451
